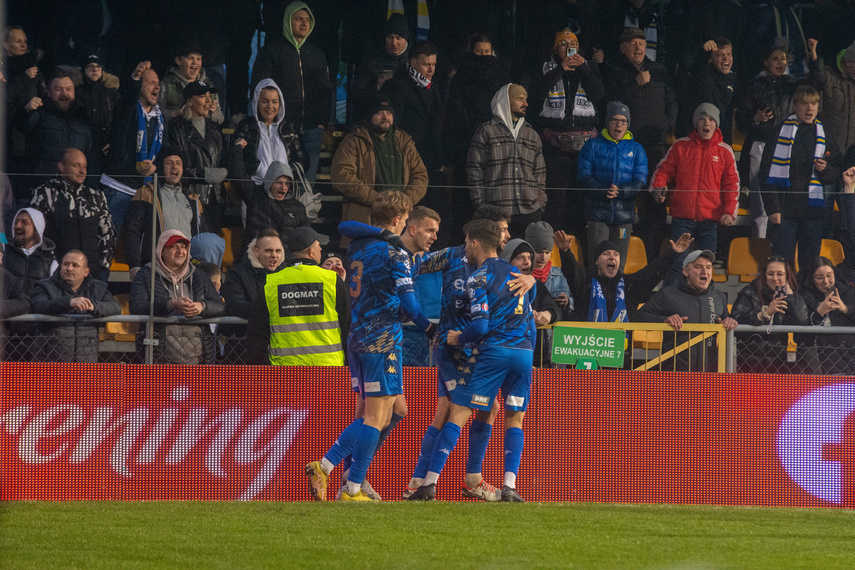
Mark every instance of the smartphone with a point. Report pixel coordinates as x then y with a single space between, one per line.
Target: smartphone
780 291
571 51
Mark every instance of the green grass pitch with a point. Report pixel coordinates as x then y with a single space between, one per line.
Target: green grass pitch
423 535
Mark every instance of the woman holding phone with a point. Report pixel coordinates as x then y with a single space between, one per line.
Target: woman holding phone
771 299
831 302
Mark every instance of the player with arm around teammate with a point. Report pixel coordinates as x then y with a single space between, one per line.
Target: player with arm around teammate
502 331
381 287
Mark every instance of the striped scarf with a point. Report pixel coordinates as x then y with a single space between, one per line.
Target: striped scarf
779 173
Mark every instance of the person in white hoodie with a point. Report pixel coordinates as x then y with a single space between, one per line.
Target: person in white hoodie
261 140
29 255
505 165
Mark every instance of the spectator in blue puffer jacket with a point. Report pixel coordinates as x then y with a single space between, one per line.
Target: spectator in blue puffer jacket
614 169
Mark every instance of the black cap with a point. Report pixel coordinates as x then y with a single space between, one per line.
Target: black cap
198 88
92 58
630 34
303 237
604 245
168 151
397 25
330 252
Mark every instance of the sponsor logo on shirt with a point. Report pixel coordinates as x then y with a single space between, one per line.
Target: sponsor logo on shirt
480 400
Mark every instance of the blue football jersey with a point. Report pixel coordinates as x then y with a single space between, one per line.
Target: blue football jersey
378 273
490 298
454 311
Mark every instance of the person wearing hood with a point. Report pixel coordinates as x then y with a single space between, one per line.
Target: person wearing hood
29 255
383 60
694 300
201 144
76 215
287 337
300 70
178 292
178 208
72 290
261 140
273 205
187 69
375 157
699 172
566 93
613 169
605 293
505 165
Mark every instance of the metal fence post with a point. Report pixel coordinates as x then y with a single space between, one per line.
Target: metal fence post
730 351
150 341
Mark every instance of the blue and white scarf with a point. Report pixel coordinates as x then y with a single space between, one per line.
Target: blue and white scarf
143 150
554 105
597 311
779 173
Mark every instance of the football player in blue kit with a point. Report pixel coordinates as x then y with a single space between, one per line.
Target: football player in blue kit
381 289
455 363
502 329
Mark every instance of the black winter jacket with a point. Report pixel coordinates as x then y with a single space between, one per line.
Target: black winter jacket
78 341
303 77
469 99
199 153
417 113
708 85
13 300
263 212
30 268
99 103
50 132
244 282
122 159
748 304
243 162
652 106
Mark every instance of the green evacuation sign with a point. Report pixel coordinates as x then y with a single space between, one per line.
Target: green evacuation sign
604 346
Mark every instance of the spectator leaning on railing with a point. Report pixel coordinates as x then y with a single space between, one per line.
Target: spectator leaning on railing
72 290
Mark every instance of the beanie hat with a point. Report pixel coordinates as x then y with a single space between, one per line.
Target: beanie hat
539 236
605 245
369 102
167 151
706 110
617 108
515 90
564 35
515 247
397 25
849 54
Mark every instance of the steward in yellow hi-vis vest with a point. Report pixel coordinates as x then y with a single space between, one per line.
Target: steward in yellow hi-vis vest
303 316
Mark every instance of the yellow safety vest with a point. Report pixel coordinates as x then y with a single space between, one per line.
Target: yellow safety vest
304 329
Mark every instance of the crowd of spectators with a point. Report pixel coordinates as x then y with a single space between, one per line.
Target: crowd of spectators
602 119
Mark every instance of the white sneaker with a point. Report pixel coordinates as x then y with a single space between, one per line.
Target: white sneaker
483 491
369 490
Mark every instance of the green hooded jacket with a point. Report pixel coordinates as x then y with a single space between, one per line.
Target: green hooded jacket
292 8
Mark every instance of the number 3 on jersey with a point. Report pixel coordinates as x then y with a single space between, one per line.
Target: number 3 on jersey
356 278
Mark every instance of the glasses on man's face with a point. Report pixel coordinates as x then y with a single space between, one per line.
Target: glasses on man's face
618 122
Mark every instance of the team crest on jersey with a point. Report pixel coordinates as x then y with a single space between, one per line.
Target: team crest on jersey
450 385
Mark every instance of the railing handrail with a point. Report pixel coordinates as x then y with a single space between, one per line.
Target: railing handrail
37 318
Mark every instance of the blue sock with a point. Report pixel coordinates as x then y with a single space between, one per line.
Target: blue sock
479 439
425 454
346 463
363 452
343 445
514 440
445 442
388 429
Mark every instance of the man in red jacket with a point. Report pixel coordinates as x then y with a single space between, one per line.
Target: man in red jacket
699 173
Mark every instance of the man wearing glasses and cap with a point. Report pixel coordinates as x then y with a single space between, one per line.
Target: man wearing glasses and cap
303 317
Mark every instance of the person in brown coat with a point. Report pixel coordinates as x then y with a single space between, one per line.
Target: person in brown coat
376 157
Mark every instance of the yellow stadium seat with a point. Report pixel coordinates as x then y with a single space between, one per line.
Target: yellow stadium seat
746 255
831 248
122 332
636 257
234 242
